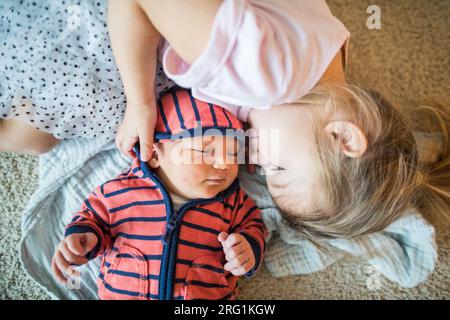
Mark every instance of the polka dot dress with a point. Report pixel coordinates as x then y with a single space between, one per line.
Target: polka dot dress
57 70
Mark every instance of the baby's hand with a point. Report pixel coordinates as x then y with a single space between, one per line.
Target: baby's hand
71 251
138 125
238 253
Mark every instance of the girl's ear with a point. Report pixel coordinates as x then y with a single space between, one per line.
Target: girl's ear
349 137
154 162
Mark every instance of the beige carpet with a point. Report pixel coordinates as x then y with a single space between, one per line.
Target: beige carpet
407 60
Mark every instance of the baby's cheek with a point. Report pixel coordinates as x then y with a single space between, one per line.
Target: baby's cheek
190 179
233 171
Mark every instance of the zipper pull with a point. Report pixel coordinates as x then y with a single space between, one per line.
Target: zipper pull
168 233
170 227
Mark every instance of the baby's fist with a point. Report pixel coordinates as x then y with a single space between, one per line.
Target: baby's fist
72 251
238 253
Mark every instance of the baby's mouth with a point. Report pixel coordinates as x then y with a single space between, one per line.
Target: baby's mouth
215 181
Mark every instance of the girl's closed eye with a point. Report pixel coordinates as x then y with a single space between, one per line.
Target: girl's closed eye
274 168
277 168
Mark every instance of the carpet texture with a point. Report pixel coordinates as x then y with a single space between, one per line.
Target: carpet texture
407 60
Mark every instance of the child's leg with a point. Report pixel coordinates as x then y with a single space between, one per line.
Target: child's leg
185 24
17 136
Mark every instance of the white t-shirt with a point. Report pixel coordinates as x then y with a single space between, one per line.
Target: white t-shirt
261 53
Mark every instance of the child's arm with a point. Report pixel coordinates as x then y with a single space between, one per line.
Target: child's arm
185 24
134 41
244 247
85 237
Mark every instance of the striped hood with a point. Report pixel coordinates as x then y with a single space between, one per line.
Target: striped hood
180 115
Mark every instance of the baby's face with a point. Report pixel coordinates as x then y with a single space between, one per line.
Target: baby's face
198 167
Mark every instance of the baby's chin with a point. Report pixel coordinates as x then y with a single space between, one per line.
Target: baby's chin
209 193
209 190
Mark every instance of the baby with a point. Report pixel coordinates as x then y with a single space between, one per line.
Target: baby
175 227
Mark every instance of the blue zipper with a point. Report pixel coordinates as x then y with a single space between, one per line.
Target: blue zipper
173 241
168 203
172 235
169 211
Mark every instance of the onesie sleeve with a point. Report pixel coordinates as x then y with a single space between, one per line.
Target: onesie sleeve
92 217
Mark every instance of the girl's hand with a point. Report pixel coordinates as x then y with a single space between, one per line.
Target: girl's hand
238 253
72 251
138 125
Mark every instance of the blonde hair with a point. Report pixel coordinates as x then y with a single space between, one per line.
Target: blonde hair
366 194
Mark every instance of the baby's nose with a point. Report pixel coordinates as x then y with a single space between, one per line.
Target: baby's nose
220 163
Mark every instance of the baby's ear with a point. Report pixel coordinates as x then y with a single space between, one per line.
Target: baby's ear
349 137
154 161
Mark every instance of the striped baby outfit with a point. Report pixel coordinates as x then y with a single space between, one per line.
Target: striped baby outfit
152 251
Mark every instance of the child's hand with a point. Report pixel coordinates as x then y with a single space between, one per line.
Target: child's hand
71 251
238 253
138 125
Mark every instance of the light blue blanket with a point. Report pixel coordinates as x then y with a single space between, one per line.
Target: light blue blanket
405 252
